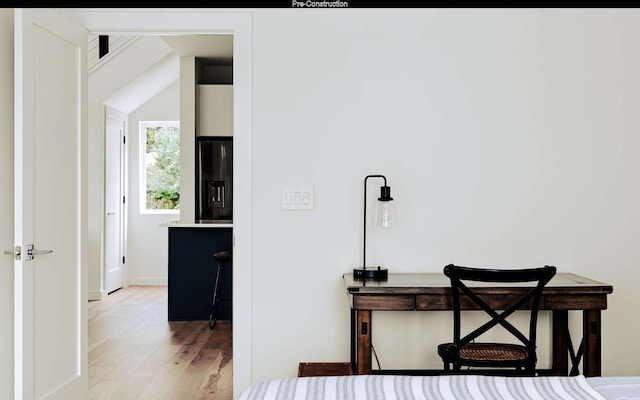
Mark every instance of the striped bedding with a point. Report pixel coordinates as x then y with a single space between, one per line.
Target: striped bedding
445 387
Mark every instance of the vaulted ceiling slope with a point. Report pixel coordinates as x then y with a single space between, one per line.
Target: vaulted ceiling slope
138 67
129 78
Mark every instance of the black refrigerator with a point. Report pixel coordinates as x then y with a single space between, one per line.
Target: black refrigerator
214 179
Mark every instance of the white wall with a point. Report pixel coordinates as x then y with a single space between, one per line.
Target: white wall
187 140
147 248
509 138
6 203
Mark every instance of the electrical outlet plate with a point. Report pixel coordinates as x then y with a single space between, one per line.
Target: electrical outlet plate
297 198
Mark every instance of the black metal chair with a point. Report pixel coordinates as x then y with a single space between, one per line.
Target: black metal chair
517 358
222 257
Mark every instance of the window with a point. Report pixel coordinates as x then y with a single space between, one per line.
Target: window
159 166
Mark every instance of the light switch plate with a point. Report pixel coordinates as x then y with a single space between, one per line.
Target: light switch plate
297 198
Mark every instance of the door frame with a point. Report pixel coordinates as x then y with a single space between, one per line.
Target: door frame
207 21
6 203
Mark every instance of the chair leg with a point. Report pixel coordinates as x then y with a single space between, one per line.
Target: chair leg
213 318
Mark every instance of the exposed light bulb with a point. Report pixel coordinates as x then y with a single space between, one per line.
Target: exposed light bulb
384 214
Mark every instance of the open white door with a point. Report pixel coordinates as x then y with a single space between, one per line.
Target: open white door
114 258
50 207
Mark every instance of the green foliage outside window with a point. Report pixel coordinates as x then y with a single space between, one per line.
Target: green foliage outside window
163 167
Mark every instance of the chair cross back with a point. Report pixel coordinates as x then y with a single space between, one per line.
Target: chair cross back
458 275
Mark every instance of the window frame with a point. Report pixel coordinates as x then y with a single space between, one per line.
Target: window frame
142 156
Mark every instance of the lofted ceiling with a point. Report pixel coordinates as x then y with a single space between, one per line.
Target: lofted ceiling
161 56
217 49
212 47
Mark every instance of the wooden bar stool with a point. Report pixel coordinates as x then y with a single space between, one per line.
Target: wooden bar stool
222 257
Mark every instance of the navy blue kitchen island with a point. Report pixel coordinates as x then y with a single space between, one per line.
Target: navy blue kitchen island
192 271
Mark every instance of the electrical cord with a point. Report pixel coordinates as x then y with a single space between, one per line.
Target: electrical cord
376 355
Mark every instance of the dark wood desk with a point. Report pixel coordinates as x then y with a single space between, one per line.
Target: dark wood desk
432 292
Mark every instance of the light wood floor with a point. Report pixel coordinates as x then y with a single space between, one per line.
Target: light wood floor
135 353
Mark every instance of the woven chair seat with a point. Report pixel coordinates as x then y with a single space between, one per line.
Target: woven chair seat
487 351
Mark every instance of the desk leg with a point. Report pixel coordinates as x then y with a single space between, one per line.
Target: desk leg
592 343
353 342
560 359
363 342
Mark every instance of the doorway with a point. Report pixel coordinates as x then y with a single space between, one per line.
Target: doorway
207 21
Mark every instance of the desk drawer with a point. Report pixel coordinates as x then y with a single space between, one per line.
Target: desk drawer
586 302
384 303
425 302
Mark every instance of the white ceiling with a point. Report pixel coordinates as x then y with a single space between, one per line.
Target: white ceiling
215 47
218 49
146 86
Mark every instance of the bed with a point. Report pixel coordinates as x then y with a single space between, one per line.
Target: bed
444 387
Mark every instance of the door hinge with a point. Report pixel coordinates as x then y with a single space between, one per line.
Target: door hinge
123 199
123 260
124 140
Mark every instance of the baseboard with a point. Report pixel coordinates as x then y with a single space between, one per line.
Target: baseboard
145 281
99 295
96 295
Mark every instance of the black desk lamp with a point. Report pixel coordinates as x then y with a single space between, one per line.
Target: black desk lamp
384 217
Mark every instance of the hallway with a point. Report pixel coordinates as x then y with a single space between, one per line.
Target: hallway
135 353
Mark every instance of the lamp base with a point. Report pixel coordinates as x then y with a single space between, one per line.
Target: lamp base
371 273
